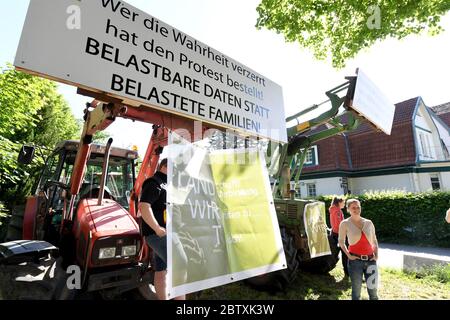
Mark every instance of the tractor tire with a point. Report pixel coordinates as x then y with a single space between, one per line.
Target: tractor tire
324 264
144 292
37 280
15 225
60 277
279 280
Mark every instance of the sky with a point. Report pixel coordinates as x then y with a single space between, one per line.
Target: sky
414 66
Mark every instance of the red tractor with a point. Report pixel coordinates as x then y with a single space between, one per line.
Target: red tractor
80 230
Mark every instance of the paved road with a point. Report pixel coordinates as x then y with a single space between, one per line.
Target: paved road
402 256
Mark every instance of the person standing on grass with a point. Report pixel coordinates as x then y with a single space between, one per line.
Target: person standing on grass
152 206
362 252
336 217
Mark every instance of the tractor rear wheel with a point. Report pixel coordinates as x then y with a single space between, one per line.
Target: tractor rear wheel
15 225
279 280
322 264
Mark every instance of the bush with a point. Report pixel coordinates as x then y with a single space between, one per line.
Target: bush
3 221
440 273
406 218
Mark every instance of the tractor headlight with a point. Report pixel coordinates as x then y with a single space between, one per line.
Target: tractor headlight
128 251
107 253
116 250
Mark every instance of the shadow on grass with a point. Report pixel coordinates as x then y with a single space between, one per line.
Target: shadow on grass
307 286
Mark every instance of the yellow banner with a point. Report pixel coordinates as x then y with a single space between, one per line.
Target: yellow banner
316 229
222 225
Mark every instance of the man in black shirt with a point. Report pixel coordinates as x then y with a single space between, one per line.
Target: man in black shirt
153 210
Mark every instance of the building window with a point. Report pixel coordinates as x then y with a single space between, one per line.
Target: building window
311 189
298 192
311 157
344 185
435 183
428 145
425 145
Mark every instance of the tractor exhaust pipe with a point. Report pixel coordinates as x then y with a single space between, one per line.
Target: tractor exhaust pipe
104 171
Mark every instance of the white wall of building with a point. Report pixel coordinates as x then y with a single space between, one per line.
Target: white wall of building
408 182
425 180
445 181
444 133
324 186
401 182
421 119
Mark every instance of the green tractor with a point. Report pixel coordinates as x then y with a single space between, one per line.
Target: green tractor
286 163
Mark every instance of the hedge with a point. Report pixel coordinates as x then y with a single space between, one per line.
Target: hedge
406 218
403 218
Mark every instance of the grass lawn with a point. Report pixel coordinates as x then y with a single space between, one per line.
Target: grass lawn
393 285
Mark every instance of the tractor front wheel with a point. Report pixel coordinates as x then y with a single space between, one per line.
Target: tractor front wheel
324 264
42 279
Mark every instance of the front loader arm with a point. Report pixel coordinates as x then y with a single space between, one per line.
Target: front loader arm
293 154
158 141
94 120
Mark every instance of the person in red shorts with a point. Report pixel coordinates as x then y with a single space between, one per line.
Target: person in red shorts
362 251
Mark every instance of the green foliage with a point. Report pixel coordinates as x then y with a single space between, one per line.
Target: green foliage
32 113
4 213
101 137
406 218
341 29
440 273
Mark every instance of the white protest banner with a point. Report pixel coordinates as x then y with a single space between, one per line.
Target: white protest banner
222 225
111 47
372 103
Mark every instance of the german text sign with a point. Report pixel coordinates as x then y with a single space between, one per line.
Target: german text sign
112 47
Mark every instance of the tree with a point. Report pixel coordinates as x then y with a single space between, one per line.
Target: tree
344 27
32 112
101 137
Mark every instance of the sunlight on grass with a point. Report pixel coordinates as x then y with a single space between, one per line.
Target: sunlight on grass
393 285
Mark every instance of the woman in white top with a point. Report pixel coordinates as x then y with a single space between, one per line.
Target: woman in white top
362 252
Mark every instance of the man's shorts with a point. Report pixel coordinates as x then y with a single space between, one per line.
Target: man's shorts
159 246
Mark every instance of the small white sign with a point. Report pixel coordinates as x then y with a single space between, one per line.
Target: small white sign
112 47
371 103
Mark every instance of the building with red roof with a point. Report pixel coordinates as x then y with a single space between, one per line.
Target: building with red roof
414 158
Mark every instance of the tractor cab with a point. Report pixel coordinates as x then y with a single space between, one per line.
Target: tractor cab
54 184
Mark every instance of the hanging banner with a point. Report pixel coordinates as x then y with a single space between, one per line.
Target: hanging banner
316 229
111 47
222 225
